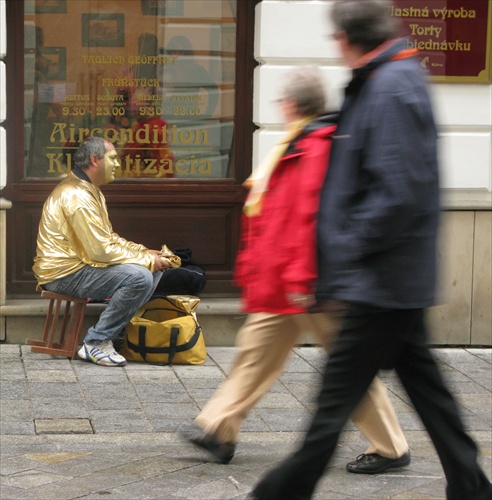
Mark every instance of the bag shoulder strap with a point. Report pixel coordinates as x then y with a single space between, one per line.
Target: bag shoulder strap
143 350
173 348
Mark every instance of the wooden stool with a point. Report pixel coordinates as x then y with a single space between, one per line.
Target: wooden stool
62 342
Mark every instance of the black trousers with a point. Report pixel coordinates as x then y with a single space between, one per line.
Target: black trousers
372 339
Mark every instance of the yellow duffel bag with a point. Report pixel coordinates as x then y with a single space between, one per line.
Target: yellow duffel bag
166 331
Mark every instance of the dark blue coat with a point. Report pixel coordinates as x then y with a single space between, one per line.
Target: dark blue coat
379 204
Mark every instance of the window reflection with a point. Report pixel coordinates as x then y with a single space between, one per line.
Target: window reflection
158 83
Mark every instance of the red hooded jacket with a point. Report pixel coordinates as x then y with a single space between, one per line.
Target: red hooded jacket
278 247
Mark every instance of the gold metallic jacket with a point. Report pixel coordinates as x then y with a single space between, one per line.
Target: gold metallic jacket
75 231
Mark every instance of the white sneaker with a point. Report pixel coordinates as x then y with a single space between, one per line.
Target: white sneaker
101 354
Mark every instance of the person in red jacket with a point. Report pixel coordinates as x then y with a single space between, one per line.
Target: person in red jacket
276 269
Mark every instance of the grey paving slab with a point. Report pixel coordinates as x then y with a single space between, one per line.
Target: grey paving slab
469 388
278 387
316 358
286 419
9 350
298 364
147 367
121 420
63 426
53 376
161 395
225 367
88 377
115 401
308 377
59 408
14 389
305 392
151 376
279 400
29 479
185 372
16 410
480 423
179 410
484 354
11 369
171 424
133 450
203 383
221 354
16 464
45 390
52 363
51 491
83 368
254 423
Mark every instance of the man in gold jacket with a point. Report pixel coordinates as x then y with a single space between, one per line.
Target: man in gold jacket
79 254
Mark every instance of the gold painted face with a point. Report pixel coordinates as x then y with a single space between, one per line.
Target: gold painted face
111 163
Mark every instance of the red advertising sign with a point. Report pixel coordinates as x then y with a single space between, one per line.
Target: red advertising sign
453 37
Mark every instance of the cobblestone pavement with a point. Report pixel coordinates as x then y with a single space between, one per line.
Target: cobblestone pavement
71 429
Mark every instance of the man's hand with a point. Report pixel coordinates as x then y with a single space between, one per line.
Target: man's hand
160 264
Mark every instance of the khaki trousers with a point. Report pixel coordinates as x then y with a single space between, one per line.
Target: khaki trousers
264 344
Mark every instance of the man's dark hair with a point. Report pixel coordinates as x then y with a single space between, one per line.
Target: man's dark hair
367 23
91 146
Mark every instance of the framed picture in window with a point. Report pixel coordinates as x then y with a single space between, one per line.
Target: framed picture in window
163 7
103 30
57 59
45 7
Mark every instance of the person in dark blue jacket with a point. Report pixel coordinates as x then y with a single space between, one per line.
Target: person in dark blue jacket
377 227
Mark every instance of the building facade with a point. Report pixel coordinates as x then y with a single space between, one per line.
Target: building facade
185 90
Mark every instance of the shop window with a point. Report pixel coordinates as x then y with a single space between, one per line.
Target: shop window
155 77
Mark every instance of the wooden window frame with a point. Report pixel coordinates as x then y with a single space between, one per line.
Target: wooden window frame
28 194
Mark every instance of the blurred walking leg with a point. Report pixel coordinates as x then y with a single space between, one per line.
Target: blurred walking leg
264 343
439 412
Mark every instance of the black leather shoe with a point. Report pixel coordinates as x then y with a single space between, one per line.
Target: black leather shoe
223 451
373 463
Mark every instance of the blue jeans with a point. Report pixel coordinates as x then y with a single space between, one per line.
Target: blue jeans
129 286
